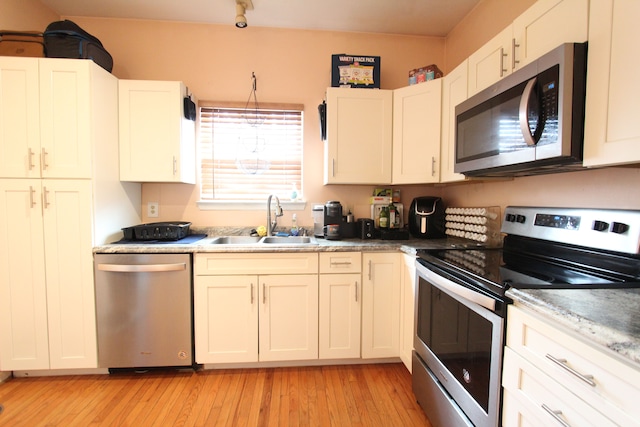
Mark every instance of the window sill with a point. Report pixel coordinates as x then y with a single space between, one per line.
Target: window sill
230 205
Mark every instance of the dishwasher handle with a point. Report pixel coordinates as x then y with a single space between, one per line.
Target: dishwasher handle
142 268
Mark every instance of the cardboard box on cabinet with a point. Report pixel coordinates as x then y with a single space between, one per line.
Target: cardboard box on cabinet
355 71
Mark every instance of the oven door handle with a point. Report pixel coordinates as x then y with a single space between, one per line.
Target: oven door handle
456 289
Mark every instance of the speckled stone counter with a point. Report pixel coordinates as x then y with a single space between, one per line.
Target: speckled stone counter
318 245
606 317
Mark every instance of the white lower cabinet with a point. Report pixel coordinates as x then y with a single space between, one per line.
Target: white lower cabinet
288 319
380 304
251 307
226 319
340 305
552 377
407 308
265 307
47 314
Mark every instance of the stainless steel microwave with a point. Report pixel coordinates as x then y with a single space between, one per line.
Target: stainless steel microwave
530 122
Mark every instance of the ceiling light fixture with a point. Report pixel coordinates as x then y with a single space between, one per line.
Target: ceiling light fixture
241 7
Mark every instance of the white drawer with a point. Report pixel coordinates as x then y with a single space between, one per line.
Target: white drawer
615 384
533 396
340 262
255 263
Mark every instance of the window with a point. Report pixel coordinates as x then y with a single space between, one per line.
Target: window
245 155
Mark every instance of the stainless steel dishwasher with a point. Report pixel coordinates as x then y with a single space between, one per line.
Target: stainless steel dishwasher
144 310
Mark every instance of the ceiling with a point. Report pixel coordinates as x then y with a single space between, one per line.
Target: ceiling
410 17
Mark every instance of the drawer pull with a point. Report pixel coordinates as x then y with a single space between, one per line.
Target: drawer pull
563 364
557 415
338 263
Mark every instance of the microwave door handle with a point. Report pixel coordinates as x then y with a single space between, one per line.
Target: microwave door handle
524 113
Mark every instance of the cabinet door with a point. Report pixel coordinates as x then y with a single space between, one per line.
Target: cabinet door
226 319
359 134
23 298
416 133
65 118
68 243
612 129
288 317
546 25
19 118
491 62
157 144
454 91
380 305
407 309
339 316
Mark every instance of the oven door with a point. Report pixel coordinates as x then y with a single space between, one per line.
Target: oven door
458 344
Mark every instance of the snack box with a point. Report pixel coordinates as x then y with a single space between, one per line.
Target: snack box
355 71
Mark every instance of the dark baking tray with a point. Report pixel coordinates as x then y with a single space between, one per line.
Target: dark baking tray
175 230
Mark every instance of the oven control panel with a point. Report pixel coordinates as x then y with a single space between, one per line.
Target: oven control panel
608 229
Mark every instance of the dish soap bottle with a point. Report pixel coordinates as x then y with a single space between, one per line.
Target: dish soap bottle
294 225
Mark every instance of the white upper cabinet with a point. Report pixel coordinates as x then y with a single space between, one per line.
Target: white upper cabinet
45 111
416 133
491 62
454 91
359 134
157 142
612 128
544 26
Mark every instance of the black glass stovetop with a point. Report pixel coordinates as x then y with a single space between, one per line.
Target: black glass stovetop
527 263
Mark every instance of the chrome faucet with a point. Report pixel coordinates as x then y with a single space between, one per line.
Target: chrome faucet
278 212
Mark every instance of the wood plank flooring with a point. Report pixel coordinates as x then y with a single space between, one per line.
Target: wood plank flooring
350 395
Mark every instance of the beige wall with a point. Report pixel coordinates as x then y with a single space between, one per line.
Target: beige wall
25 15
293 66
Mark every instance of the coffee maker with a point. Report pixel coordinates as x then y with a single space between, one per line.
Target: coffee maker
332 212
328 214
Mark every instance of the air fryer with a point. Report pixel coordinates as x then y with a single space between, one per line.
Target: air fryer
427 218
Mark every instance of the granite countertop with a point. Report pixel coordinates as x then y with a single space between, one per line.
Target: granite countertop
607 317
318 245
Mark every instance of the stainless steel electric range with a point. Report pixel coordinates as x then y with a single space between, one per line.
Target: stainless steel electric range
461 303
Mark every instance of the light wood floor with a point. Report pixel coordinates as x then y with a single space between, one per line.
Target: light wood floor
354 395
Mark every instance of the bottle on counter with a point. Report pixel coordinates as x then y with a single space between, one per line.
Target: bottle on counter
384 218
392 215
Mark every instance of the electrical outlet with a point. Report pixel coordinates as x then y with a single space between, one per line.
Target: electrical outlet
152 209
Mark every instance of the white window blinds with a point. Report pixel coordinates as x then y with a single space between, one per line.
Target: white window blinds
247 155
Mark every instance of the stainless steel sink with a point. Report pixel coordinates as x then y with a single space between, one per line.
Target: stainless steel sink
236 240
290 240
270 240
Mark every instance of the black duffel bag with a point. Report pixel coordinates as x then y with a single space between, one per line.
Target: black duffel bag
65 39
